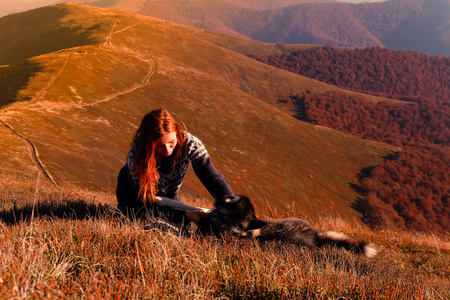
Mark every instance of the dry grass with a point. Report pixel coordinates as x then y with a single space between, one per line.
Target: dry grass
88 253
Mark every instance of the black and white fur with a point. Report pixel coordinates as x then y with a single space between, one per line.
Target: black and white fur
298 232
230 216
238 217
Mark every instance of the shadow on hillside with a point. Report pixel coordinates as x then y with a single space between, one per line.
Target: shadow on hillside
15 78
300 110
360 204
81 210
46 30
364 173
68 209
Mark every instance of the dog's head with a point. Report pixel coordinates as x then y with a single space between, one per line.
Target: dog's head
237 207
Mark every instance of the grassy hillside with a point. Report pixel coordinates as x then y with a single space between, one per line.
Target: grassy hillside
420 128
71 247
74 111
68 118
42 31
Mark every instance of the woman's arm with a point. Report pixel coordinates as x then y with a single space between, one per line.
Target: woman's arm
191 213
214 182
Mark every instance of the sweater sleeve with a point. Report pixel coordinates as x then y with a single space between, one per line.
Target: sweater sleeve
204 169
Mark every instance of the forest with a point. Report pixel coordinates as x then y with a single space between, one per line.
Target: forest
410 189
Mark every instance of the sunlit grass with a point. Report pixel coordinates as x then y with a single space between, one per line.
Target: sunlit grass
90 253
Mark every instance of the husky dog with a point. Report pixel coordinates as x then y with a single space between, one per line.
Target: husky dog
237 215
231 215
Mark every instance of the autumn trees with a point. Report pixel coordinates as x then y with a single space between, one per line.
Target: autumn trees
404 75
409 189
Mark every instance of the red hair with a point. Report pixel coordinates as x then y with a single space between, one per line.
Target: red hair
154 126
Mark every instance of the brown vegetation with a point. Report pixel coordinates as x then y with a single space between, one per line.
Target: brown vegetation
88 253
404 75
410 190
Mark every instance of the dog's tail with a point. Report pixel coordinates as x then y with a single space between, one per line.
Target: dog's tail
341 240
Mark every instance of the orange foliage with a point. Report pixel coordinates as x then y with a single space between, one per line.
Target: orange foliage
409 189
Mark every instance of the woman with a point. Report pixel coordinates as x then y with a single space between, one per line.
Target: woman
156 165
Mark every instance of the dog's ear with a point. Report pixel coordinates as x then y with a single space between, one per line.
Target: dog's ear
232 199
228 199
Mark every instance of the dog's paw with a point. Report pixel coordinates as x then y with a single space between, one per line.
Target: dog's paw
228 199
370 250
239 232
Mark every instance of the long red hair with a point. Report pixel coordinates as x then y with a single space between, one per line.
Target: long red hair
154 126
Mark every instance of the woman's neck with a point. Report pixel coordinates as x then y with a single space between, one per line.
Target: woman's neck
162 158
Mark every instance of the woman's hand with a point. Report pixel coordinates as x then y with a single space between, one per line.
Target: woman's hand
195 215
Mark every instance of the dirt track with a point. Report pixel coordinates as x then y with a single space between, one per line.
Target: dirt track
33 152
148 59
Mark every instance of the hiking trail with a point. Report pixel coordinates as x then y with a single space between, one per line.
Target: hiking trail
33 152
35 105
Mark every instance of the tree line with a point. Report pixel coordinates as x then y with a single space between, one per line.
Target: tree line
410 189
404 75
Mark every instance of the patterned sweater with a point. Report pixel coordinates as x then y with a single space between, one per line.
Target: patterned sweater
171 177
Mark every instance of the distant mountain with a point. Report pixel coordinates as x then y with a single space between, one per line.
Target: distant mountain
420 25
70 105
250 4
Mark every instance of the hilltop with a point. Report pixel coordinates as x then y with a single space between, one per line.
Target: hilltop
419 25
76 107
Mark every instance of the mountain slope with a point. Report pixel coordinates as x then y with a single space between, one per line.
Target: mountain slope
45 30
78 107
420 25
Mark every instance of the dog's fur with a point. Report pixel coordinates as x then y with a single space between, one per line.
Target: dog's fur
238 218
230 216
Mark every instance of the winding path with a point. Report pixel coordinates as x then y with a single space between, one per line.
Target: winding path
33 151
51 82
150 60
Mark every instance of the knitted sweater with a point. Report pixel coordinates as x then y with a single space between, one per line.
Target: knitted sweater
171 177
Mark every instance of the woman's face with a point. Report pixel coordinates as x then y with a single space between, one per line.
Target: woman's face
166 145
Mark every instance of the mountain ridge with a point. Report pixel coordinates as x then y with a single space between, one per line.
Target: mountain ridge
418 25
81 106
392 24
